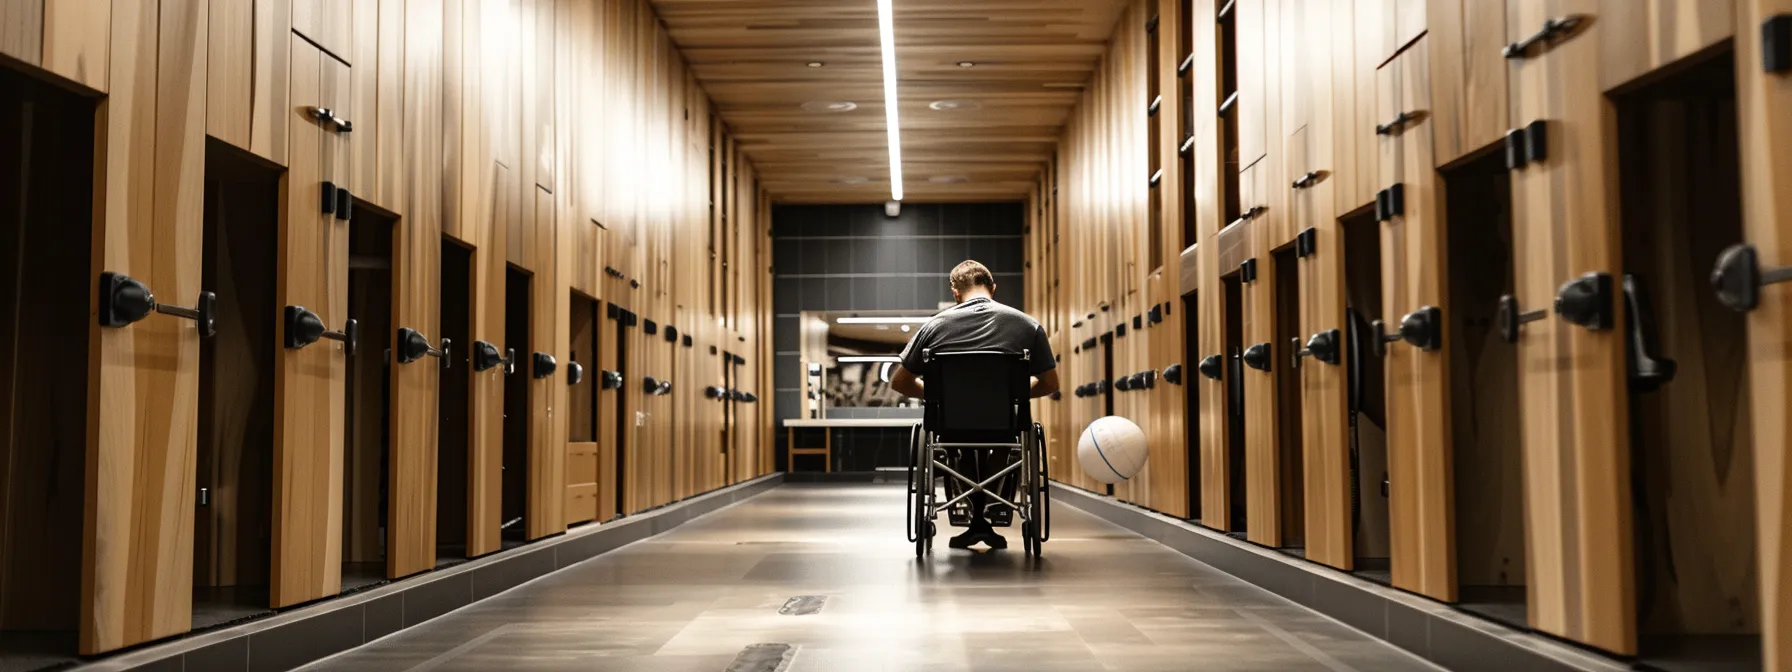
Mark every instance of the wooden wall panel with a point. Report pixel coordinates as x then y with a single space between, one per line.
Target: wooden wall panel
1572 398
142 412
22 30
229 70
270 103
1468 106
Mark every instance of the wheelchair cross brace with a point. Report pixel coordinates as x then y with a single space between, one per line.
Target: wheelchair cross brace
983 487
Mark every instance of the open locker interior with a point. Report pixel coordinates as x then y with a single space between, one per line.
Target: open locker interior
624 419
1368 398
581 405
46 178
1233 376
515 498
453 420
1488 480
367 425
1290 472
1191 388
1692 463
232 530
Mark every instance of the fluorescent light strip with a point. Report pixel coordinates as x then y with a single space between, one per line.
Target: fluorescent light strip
886 34
867 358
882 320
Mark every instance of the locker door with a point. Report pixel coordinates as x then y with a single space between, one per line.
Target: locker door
1323 387
1572 402
1763 99
309 381
1413 330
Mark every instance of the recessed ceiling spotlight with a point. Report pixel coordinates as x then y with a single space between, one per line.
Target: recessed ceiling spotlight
967 64
948 179
830 106
954 105
816 64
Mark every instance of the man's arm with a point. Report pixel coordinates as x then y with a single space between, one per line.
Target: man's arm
1044 384
904 381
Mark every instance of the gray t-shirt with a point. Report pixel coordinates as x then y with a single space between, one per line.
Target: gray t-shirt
981 324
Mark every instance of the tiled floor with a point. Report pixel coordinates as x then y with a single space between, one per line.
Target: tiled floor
695 598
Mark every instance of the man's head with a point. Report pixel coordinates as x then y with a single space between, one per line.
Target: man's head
971 280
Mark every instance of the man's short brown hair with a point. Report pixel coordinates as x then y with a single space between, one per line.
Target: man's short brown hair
971 274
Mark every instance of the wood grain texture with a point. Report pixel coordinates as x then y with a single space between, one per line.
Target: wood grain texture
308 444
78 40
1032 55
230 70
1658 33
1468 76
142 426
1767 224
270 105
1355 112
1572 399
22 30
1414 271
1264 487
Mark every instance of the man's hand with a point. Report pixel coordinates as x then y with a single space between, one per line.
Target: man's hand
904 381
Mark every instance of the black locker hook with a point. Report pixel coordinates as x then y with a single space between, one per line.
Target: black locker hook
413 345
1322 346
575 374
1586 301
1211 366
1257 357
1422 328
304 327
1553 29
611 380
1648 370
485 356
1173 374
1738 277
124 300
1511 319
543 365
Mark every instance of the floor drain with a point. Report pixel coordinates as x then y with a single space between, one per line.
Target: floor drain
762 658
803 605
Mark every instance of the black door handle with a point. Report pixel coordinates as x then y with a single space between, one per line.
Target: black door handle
575 374
1123 383
1322 346
304 327
413 346
1648 369
1553 30
1586 301
543 365
486 356
1257 356
1422 328
611 380
1173 374
124 300
1738 277
1511 318
1211 366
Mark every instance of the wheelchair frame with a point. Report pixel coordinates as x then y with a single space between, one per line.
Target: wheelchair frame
928 459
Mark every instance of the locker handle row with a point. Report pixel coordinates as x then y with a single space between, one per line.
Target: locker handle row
1322 346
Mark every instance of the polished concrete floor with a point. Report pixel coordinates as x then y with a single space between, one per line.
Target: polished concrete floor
708 596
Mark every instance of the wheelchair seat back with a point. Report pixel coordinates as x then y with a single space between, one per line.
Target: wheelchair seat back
976 396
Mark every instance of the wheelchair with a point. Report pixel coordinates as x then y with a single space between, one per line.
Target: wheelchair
977 408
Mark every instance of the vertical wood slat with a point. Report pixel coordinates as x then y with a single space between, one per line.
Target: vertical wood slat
142 410
22 30
1657 33
1762 99
309 382
1469 108
229 70
270 103
78 40
1572 398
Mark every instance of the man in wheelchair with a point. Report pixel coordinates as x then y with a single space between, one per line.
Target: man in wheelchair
978 323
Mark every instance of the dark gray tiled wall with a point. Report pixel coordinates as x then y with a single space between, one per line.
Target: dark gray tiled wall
853 257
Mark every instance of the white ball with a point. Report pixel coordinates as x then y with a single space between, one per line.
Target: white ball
1112 449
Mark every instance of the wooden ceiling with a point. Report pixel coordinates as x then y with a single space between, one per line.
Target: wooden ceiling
1033 58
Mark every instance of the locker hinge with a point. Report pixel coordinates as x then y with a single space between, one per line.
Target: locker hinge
1527 145
1306 242
1247 270
1390 202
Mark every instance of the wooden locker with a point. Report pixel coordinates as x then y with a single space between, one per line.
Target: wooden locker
328 24
1355 55
1658 33
1251 18
1572 395
1469 109
1414 250
1262 466
1762 99
309 382
1323 384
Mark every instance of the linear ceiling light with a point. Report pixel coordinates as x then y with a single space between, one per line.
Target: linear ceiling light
866 359
886 34
881 320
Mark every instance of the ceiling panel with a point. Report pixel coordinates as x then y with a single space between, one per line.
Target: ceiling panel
1032 58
